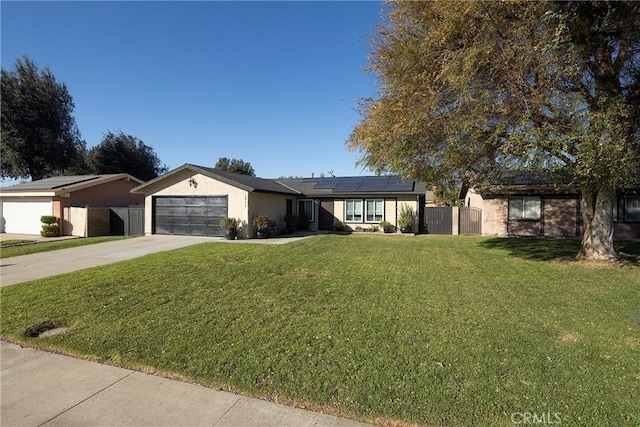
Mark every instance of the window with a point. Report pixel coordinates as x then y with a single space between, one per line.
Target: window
306 206
353 210
375 210
524 208
632 208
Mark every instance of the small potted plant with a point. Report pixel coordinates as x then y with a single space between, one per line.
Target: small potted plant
387 227
230 226
261 224
407 219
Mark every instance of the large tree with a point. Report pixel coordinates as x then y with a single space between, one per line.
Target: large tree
39 133
235 165
473 91
121 153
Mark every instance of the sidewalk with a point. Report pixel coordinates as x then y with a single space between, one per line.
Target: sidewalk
40 388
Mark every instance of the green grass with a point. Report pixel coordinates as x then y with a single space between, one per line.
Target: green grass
10 251
433 330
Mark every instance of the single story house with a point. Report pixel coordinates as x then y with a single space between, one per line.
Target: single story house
23 204
528 208
192 199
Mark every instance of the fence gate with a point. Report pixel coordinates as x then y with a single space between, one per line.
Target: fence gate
470 221
127 221
438 220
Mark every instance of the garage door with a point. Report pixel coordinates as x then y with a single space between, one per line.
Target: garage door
23 217
195 216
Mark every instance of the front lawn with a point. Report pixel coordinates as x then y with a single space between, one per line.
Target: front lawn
8 250
434 330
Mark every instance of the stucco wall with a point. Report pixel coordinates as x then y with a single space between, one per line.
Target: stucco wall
494 217
178 185
110 194
560 217
391 209
272 205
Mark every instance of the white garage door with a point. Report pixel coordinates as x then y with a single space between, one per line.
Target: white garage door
23 217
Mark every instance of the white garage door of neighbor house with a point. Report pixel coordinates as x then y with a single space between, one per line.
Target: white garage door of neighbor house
24 217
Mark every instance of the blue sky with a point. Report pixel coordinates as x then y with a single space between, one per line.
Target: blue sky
273 83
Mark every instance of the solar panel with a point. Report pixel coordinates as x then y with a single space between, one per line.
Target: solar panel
396 184
327 182
54 182
374 183
351 183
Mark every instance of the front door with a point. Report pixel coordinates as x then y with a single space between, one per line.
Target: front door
325 220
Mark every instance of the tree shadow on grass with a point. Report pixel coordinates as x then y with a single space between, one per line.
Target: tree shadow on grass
549 249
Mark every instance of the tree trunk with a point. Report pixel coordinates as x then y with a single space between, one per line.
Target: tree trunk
597 219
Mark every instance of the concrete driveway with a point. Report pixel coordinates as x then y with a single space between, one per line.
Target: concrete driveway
44 264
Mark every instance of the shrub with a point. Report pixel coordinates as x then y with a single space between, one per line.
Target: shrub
230 224
48 219
373 228
303 221
387 227
291 222
407 217
260 222
339 226
50 230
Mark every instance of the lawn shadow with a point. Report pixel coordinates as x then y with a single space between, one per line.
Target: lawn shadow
538 249
550 249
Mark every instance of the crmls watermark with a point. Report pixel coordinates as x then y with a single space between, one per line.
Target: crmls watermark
536 418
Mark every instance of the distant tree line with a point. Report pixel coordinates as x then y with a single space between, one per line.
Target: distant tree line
40 137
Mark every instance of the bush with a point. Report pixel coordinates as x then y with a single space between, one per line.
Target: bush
230 224
387 227
407 217
339 226
303 221
260 222
48 219
50 230
291 222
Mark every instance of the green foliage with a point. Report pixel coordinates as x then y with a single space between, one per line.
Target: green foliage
387 227
230 224
50 230
120 153
39 133
235 165
339 226
472 90
432 330
48 219
406 217
260 222
304 221
291 222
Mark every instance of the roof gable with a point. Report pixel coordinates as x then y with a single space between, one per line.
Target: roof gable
244 182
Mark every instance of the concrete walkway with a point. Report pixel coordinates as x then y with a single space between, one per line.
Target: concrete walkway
45 389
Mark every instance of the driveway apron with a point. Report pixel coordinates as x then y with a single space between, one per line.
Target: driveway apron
44 264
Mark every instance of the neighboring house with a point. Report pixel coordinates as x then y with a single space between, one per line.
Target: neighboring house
192 199
526 208
24 204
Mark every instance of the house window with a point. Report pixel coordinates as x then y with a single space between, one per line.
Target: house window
306 206
375 210
353 210
524 208
632 208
